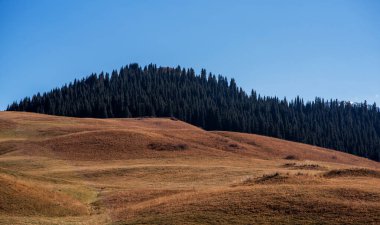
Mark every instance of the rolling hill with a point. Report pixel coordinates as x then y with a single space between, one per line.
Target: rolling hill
213 103
64 170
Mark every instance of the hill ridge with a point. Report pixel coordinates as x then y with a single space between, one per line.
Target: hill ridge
213 103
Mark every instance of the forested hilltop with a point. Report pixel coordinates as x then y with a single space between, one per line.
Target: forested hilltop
213 103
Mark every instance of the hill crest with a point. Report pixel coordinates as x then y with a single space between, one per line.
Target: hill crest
111 139
213 103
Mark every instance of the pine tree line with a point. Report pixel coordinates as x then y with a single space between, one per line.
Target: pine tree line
213 103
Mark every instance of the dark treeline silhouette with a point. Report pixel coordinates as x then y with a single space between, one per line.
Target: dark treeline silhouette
213 103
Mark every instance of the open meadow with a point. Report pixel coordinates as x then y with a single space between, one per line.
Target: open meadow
61 170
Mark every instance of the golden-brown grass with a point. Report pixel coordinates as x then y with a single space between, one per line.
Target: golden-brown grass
19 197
60 170
271 148
268 204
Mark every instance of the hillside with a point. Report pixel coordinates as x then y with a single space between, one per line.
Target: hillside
63 170
213 103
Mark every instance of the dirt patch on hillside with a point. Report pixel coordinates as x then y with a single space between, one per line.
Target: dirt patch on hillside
303 166
157 146
278 178
352 172
291 157
272 178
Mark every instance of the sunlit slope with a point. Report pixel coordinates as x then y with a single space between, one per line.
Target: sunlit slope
60 170
97 139
20 197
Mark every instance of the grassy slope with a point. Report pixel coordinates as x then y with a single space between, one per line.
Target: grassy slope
58 170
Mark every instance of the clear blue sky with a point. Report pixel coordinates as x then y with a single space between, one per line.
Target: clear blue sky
326 48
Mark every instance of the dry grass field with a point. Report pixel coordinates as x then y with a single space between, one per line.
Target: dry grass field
59 170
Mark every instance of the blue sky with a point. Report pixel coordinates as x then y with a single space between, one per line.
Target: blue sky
326 48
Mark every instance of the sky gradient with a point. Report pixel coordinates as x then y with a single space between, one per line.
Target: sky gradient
325 48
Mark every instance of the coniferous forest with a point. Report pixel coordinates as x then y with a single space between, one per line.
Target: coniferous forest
213 103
